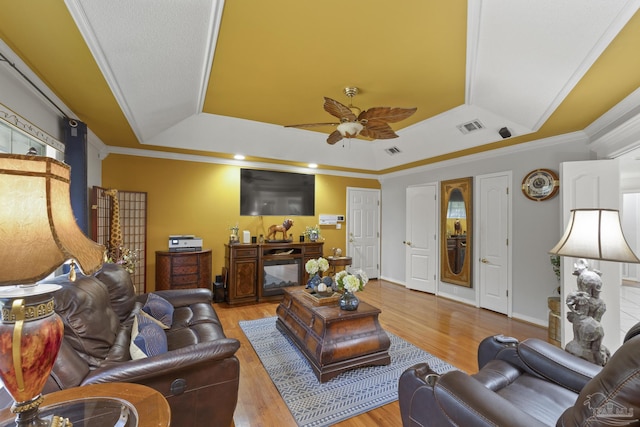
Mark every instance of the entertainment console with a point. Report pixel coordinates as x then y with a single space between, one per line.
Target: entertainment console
259 272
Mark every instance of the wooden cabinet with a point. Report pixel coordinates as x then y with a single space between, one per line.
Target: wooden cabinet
183 270
241 263
244 268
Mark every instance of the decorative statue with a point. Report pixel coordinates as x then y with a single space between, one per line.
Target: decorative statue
585 312
589 281
457 227
274 229
115 231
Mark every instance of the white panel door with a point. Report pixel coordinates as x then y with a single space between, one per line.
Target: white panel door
493 244
363 230
421 249
592 184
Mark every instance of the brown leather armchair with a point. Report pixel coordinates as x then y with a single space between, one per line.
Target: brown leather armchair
198 375
529 383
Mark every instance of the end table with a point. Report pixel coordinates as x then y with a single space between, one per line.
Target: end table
97 405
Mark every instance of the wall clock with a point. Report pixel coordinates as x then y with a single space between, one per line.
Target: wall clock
540 184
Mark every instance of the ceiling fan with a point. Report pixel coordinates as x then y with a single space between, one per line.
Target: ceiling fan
372 123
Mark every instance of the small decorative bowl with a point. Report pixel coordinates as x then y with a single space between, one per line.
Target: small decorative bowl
325 294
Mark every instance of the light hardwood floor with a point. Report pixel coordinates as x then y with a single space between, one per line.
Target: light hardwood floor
444 328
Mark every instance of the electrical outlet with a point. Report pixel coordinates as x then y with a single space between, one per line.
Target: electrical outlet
338 226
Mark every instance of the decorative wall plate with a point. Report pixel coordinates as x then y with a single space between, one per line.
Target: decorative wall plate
540 184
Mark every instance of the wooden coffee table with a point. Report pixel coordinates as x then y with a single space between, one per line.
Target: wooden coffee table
333 340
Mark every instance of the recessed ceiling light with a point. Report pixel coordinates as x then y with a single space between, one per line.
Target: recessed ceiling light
313 165
238 157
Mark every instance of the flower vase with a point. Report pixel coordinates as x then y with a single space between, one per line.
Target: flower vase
349 301
314 281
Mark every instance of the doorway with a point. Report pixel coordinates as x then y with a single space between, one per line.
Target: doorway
630 291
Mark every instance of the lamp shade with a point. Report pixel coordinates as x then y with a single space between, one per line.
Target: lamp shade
38 231
595 234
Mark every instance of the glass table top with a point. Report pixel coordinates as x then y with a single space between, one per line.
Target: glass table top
90 412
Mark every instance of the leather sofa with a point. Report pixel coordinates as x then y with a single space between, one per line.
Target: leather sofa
528 383
198 374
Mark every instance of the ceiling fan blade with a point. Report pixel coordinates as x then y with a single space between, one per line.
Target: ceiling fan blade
310 125
378 130
334 137
338 110
387 114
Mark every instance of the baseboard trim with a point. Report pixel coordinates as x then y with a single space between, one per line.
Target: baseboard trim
532 320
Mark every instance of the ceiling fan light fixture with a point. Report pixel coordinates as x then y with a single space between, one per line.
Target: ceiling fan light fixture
350 129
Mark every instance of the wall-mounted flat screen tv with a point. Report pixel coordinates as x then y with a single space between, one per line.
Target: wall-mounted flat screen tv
264 192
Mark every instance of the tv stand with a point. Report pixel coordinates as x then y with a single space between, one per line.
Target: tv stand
244 269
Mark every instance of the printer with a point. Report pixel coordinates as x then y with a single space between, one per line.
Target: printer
184 243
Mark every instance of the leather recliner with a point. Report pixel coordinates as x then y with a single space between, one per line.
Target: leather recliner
198 375
528 383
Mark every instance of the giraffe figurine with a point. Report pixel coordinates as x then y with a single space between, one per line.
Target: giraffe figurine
115 231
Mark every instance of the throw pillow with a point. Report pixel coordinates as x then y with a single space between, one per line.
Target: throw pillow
152 319
147 338
159 308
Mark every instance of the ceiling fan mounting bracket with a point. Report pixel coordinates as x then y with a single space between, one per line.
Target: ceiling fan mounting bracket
351 91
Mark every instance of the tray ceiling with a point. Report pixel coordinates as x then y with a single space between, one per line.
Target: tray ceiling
218 78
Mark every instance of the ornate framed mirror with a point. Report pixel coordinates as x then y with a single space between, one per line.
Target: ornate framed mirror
456 225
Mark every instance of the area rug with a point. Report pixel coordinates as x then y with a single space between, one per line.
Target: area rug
315 404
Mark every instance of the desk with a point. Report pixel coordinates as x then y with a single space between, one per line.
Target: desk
151 407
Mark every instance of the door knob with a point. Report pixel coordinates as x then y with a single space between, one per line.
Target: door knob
484 261
404 242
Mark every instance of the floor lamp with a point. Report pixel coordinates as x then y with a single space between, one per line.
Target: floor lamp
591 234
38 233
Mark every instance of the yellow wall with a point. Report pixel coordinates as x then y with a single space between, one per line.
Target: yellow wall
451 227
204 199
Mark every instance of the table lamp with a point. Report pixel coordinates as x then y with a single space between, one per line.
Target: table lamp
38 233
592 234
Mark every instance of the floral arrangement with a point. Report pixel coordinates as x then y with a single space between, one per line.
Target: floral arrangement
127 258
351 282
311 231
314 266
555 263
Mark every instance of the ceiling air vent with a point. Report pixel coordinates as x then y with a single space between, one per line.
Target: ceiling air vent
471 126
393 150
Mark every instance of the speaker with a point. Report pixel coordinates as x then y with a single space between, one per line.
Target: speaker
504 132
218 292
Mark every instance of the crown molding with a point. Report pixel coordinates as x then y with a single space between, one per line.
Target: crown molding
574 137
617 132
232 162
